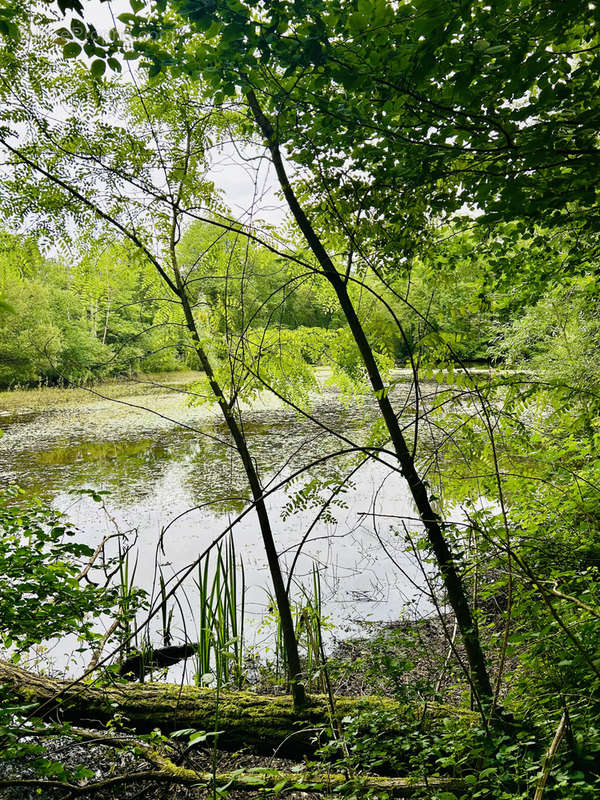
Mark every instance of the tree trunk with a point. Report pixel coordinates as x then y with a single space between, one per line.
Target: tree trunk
453 583
260 722
281 595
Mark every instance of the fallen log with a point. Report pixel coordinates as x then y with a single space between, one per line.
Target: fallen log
263 723
256 779
137 665
281 782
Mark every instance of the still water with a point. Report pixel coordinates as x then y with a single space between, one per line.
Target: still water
172 477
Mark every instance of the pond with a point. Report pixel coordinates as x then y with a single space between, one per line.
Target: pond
171 477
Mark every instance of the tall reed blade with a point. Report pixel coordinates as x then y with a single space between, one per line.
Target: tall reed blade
221 625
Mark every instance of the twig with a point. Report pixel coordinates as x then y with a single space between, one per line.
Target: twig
543 780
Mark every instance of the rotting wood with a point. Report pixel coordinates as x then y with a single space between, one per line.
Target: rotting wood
323 784
163 770
262 723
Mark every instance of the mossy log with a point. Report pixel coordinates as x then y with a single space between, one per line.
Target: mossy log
263 723
283 783
259 780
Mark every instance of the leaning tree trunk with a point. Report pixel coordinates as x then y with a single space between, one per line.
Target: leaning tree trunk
281 596
457 596
263 723
179 290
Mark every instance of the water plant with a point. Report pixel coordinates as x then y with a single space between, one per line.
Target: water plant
220 648
130 599
308 622
165 612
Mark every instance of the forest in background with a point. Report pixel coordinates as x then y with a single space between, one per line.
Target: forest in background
439 164
500 299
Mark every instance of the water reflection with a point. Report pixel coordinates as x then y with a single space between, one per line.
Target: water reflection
155 471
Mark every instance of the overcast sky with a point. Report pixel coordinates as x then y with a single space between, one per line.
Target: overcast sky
248 189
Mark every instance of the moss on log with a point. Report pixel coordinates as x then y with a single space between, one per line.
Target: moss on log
261 722
282 782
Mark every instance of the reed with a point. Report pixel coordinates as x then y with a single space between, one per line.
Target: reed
220 655
166 613
127 604
308 625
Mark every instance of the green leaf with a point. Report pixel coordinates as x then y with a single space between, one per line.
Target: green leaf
213 29
486 773
71 50
98 68
182 732
78 28
154 69
199 736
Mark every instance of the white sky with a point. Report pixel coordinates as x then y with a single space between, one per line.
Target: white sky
246 193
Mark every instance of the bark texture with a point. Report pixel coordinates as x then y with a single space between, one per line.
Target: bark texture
261 722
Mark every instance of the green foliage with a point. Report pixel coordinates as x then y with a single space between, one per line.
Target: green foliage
497 765
221 604
445 154
433 106
75 322
493 764
558 340
322 493
309 624
41 593
528 443
224 268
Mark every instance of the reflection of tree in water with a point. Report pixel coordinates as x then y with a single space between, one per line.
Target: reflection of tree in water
128 468
201 463
102 452
281 442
